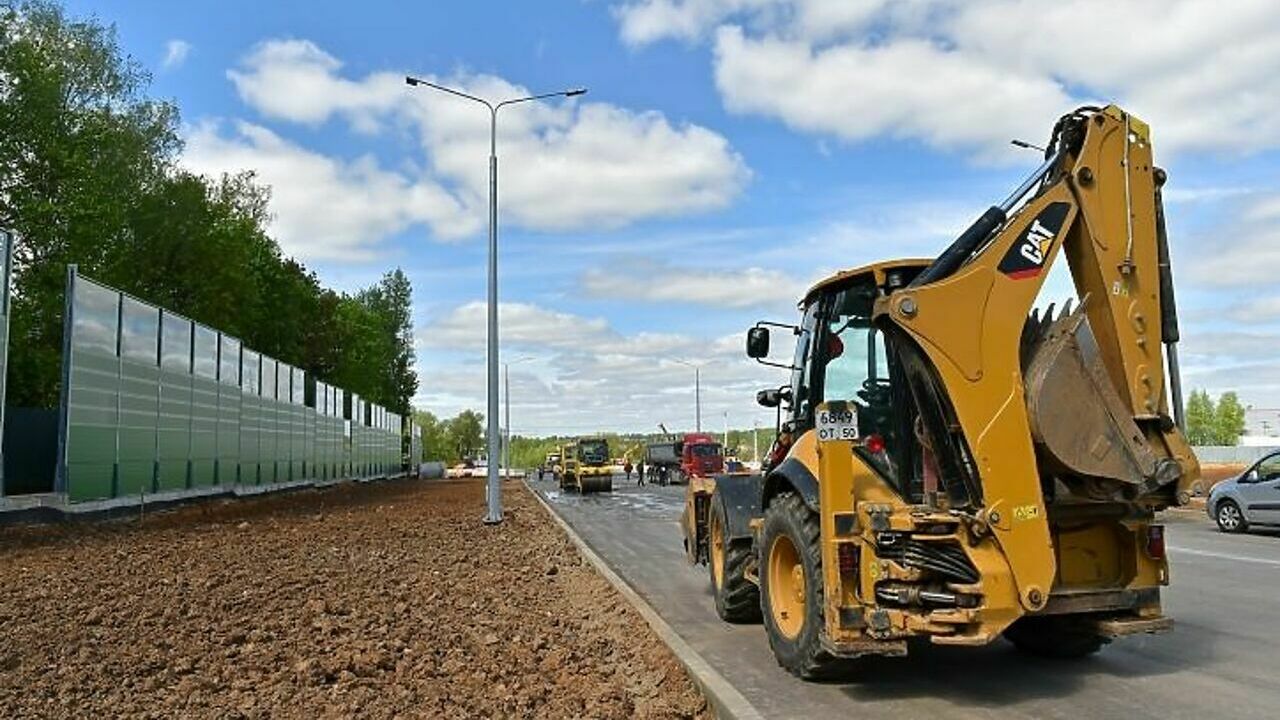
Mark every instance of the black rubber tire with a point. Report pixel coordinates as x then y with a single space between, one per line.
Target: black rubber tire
802 655
738 600
1061 637
1241 524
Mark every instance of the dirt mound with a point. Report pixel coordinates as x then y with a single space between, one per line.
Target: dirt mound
370 601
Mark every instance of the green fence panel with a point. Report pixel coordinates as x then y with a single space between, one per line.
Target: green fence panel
342 428
91 391
270 445
298 413
373 439
155 402
227 467
6 263
250 418
204 407
173 435
357 436
324 431
139 397
284 423
308 411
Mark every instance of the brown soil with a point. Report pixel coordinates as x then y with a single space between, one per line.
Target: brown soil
1215 473
358 601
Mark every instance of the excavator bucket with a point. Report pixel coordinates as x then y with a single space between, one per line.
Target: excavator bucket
1079 423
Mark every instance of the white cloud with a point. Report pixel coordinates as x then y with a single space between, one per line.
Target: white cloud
175 54
730 288
326 208
564 165
295 80
909 88
586 375
521 324
1244 250
973 74
1263 310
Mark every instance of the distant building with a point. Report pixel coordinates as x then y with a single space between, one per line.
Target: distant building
1261 427
1264 422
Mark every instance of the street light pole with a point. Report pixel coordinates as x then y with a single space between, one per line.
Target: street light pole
697 398
494 514
506 395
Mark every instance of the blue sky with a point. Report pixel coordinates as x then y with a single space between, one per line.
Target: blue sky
729 152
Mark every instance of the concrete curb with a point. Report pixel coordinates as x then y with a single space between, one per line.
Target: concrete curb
725 700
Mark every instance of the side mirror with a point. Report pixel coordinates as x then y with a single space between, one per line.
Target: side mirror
758 342
1251 476
769 398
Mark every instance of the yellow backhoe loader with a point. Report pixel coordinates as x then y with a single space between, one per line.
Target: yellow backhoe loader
584 466
955 466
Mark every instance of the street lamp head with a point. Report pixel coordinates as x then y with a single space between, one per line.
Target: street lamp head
575 92
412 81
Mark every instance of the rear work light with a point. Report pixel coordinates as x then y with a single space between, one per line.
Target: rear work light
1155 542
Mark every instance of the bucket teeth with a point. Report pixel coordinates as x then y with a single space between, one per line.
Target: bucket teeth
1040 326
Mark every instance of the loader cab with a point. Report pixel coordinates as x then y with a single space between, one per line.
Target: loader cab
843 354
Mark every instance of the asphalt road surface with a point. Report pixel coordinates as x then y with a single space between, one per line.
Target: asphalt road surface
1221 661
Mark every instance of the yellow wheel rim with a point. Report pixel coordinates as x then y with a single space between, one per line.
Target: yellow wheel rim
717 552
786 587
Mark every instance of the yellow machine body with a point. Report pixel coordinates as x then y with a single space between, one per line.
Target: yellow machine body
1056 430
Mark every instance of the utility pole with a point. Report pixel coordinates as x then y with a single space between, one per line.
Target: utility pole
697 398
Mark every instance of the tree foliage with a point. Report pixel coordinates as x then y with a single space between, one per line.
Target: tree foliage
1200 419
1228 419
1210 423
88 176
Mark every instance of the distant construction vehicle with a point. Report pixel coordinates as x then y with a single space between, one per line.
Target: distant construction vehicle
694 455
955 466
584 466
550 465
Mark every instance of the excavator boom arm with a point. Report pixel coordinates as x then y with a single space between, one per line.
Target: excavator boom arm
1079 398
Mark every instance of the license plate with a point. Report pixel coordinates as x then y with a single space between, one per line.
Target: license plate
838 423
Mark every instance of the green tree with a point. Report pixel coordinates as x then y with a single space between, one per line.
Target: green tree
88 176
466 434
1201 419
390 302
79 145
435 441
1228 420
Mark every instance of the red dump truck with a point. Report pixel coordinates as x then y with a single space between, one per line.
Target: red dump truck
696 455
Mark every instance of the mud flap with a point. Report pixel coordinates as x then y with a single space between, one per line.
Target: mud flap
740 495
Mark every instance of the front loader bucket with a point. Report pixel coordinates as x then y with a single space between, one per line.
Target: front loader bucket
1080 425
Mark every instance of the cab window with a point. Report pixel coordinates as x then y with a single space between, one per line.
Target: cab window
802 375
855 368
1269 468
